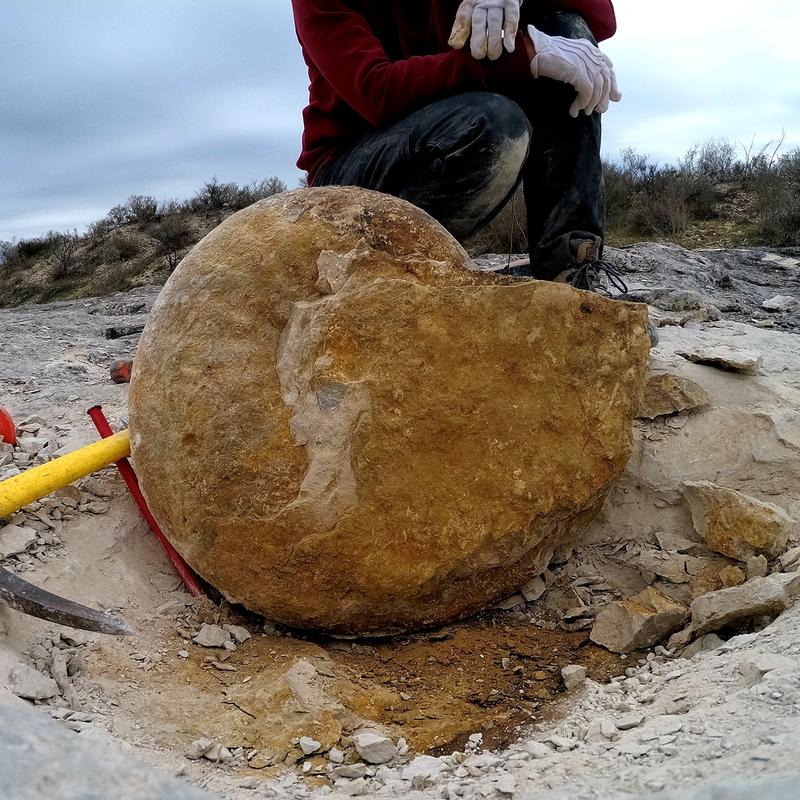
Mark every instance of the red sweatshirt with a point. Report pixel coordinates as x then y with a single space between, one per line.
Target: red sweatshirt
373 62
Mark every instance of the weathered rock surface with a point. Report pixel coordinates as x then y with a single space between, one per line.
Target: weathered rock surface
374 748
15 539
666 394
40 758
29 683
759 597
343 428
639 621
737 525
730 358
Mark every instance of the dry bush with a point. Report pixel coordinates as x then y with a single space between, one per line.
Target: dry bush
63 249
777 190
120 247
173 234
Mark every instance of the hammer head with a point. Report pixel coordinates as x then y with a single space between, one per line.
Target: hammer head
29 599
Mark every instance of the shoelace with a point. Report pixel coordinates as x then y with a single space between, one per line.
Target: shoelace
587 276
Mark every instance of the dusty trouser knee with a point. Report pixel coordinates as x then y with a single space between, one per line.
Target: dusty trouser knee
459 159
472 160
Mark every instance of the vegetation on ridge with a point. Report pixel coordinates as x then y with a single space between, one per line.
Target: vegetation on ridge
713 197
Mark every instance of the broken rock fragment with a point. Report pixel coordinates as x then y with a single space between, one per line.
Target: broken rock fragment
212 636
374 748
722 357
735 524
668 394
637 622
356 454
29 683
780 303
758 597
573 675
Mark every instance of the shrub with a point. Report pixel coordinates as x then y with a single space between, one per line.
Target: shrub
141 209
215 197
64 247
5 250
120 247
777 191
98 232
173 234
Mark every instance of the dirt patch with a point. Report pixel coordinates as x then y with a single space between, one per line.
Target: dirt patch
493 674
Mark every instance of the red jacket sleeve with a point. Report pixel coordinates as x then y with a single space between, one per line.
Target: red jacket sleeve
599 14
352 60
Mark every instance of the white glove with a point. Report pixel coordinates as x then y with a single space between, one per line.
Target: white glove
492 23
579 63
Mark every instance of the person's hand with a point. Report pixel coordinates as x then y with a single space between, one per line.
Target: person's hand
579 63
488 24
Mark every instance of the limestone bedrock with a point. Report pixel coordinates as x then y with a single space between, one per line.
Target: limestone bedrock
342 427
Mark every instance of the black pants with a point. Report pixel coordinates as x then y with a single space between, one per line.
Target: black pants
460 159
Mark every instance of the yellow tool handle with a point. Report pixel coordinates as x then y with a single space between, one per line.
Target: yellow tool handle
37 482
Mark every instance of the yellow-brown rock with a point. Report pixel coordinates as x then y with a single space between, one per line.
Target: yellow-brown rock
666 394
736 525
342 427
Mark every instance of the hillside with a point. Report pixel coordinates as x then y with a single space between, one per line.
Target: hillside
710 199
137 243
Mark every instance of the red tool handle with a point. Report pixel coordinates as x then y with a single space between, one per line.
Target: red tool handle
185 572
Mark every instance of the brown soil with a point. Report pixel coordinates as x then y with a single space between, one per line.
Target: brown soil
493 674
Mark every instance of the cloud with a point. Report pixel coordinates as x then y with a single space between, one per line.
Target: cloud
101 100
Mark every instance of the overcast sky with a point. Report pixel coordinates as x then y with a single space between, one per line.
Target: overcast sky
101 99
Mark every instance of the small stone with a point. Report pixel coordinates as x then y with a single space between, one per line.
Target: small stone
350 771
633 749
735 524
573 676
723 357
533 590
628 721
29 683
780 303
732 576
212 636
668 394
198 748
608 729
755 669
510 603
354 788
538 750
660 727
31 445
563 743
97 507
335 756
239 633
183 654
759 597
15 539
218 754
757 567
309 745
223 667
790 560
374 748
506 784
423 770
638 622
